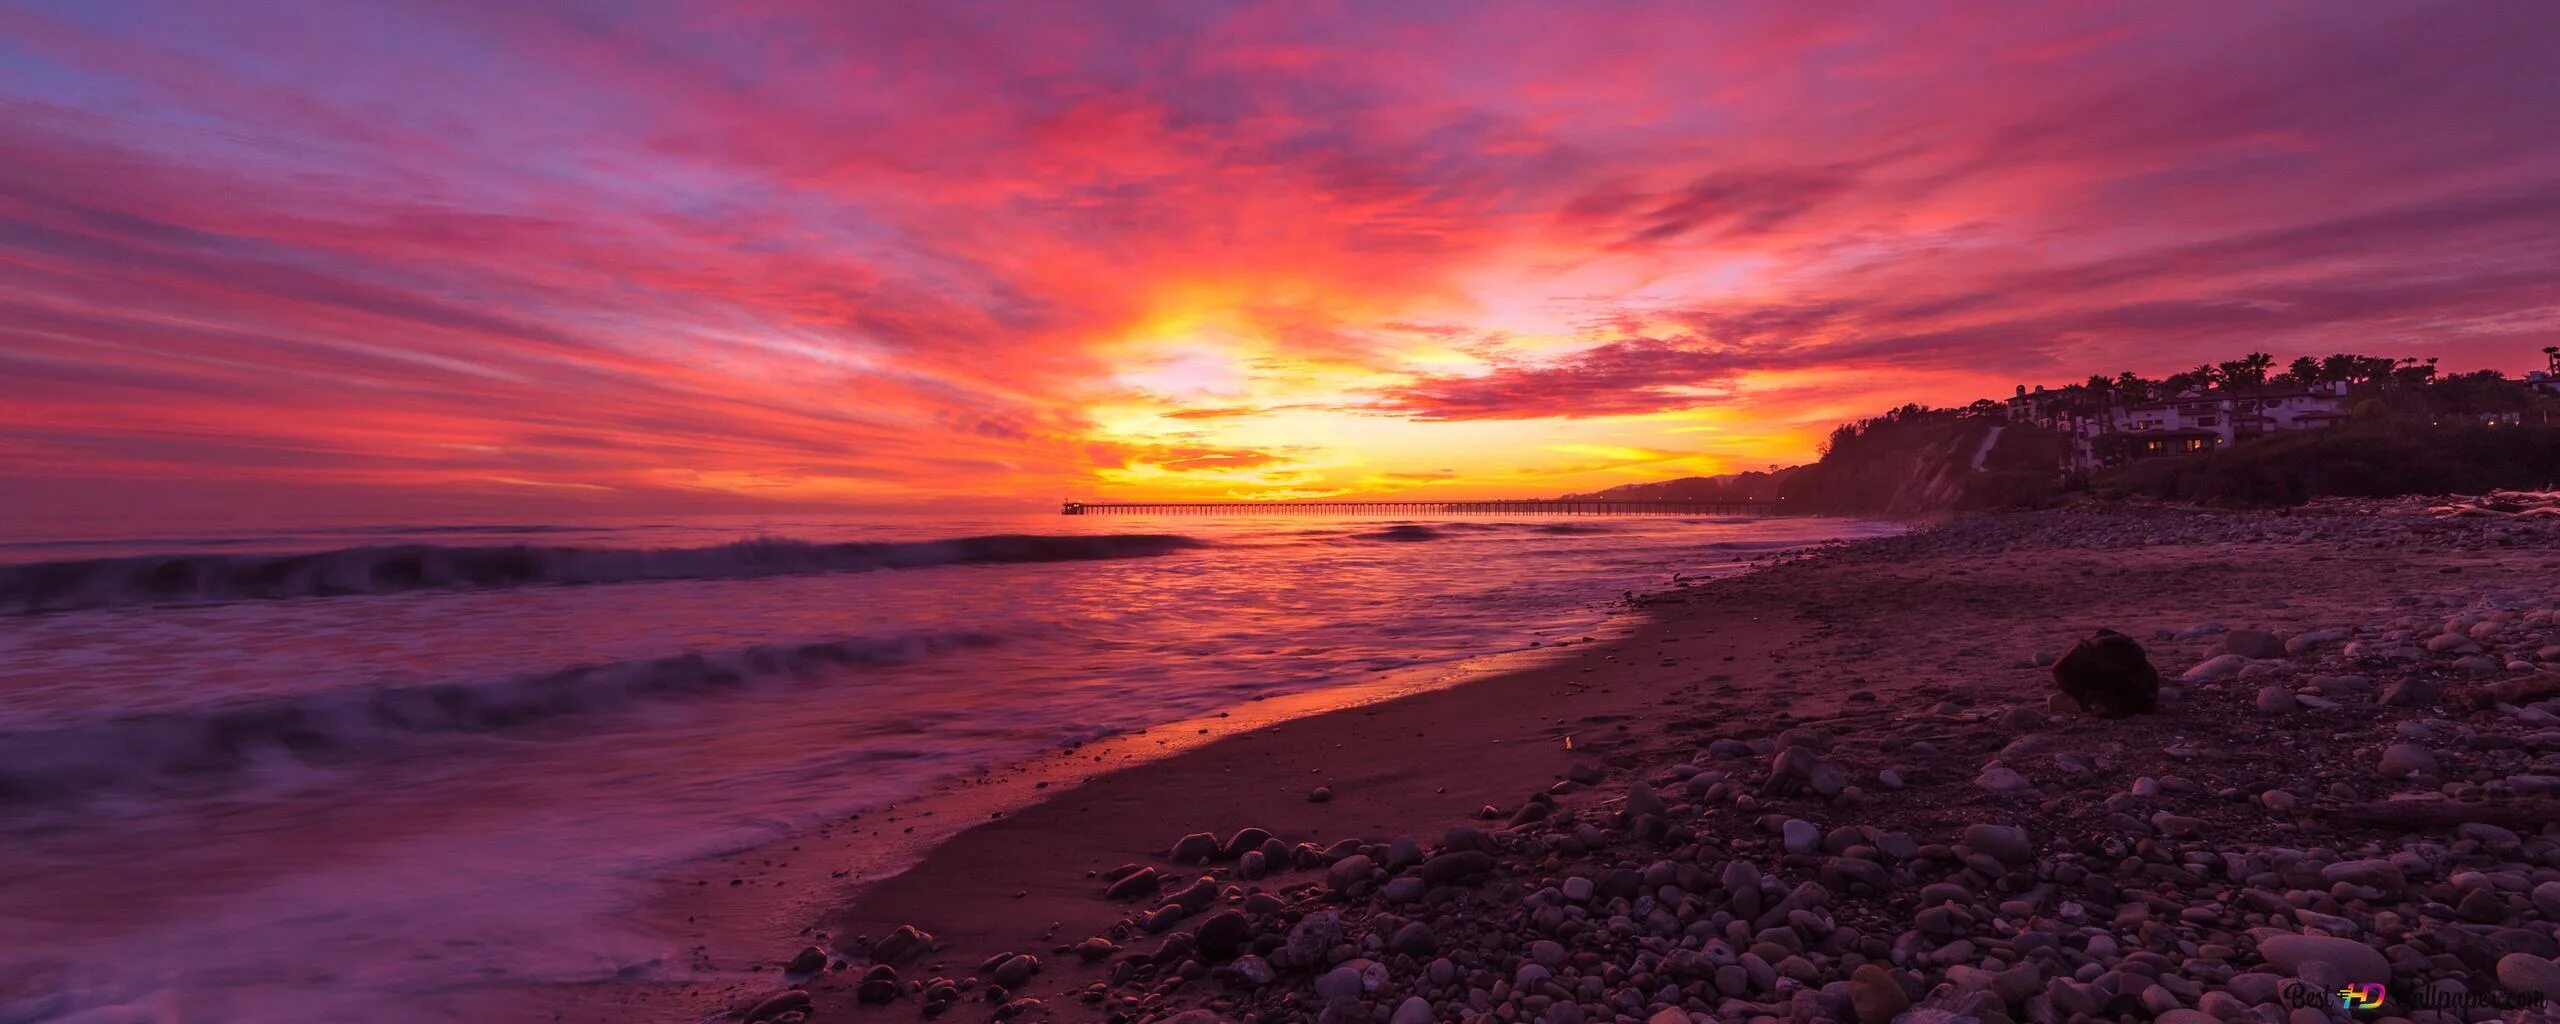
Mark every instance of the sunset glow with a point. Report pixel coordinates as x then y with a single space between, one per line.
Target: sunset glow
487 257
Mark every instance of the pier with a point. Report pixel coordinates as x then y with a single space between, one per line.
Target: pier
1499 507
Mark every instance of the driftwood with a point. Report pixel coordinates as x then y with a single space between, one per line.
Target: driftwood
2520 690
2530 812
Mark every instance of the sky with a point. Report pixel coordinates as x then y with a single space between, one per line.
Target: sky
496 258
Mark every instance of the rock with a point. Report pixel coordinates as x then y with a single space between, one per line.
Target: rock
2371 873
2253 643
1133 885
2000 778
1196 848
2353 960
1018 969
1221 935
1244 841
1350 872
2401 760
2410 693
2108 675
1403 852
2525 972
2277 700
786 1001
908 942
1455 867
1320 794
1350 981
1414 1010
879 985
2006 843
2444 643
1668 1015
1642 800
2546 898
810 960
2215 669
1800 835
1414 940
1313 936
1874 995
1253 970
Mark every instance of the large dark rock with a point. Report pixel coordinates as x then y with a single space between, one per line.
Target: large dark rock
2109 675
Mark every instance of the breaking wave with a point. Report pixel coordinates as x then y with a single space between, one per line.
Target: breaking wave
109 582
189 747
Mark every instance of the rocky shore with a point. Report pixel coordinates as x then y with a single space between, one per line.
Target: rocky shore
1875 806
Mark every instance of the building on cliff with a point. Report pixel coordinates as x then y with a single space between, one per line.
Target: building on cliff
2108 430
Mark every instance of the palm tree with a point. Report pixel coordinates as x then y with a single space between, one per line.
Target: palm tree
2133 387
2256 365
2552 353
2305 369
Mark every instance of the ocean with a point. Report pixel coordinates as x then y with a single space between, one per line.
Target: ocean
300 775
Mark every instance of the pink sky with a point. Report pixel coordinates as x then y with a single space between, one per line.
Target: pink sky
475 258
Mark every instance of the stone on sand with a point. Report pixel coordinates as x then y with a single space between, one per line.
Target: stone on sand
2109 675
2253 643
2353 959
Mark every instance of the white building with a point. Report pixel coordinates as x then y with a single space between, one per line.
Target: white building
2195 422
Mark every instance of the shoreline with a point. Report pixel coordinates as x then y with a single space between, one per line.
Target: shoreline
1906 668
741 916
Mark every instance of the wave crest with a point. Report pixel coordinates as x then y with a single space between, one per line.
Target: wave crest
110 582
340 726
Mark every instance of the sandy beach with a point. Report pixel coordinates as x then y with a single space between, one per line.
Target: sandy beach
1831 789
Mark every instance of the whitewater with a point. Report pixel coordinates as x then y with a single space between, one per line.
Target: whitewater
312 774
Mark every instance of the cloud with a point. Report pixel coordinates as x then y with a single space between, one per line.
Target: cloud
882 253
1638 375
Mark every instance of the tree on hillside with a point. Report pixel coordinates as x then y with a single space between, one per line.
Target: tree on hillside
2247 371
2134 387
2552 353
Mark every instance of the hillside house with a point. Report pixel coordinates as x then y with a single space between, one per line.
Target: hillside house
2112 432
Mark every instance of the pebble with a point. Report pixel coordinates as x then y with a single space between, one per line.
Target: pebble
2253 643
1875 996
2401 760
2000 778
1350 872
2005 843
2215 669
2353 959
2525 972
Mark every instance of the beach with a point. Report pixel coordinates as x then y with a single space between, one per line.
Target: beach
1833 788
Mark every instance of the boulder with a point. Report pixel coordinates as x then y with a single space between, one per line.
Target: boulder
2109 676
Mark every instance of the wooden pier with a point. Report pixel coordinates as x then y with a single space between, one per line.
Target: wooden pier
1501 507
